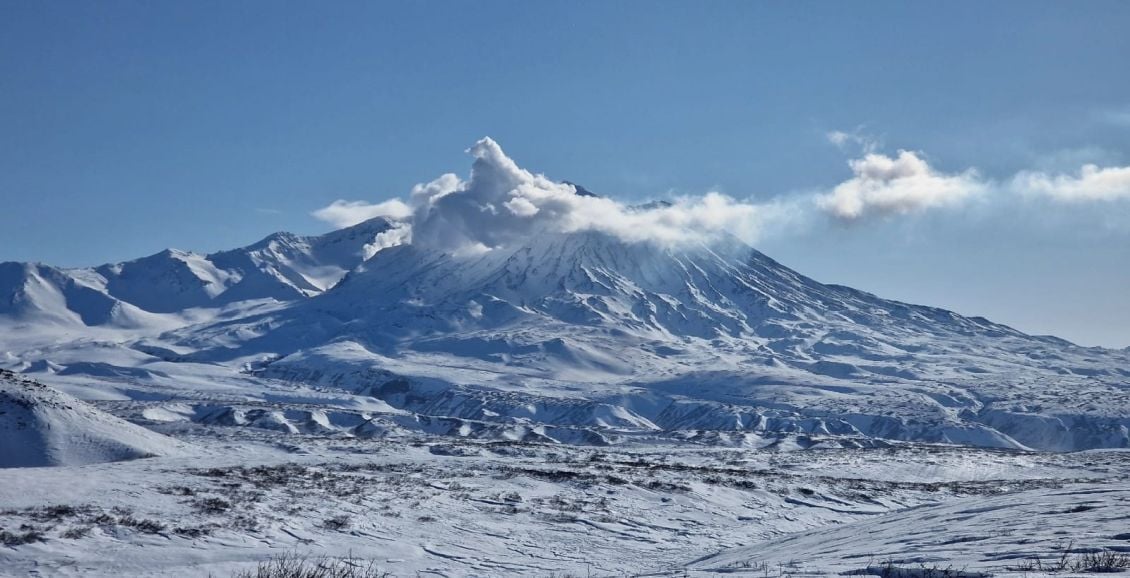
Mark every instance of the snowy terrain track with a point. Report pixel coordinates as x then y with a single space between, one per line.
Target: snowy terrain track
472 508
1008 534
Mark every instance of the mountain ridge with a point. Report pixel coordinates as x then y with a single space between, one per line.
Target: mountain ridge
282 266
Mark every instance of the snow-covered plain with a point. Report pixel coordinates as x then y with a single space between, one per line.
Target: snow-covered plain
570 401
465 507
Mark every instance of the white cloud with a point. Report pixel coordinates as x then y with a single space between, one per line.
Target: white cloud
839 137
1091 183
906 183
428 193
502 204
521 207
398 235
341 213
857 137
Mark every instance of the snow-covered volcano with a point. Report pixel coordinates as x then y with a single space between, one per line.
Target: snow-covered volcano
707 290
706 336
519 300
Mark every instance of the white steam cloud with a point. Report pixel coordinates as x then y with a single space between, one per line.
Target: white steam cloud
906 183
399 234
502 204
1090 184
341 213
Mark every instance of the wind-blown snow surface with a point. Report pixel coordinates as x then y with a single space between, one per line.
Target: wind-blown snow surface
426 506
978 536
40 426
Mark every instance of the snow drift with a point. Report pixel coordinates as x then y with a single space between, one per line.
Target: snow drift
41 426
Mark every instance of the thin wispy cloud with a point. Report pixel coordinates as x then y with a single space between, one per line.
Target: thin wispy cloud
855 138
343 213
1090 183
1117 116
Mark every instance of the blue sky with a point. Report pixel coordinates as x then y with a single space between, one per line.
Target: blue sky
128 127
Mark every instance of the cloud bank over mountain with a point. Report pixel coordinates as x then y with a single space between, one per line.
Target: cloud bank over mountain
502 203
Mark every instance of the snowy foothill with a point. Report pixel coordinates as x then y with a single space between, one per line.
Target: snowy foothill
44 427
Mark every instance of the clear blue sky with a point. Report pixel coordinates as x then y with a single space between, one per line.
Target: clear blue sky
128 127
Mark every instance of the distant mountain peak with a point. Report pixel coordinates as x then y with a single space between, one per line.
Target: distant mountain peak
282 266
652 205
580 190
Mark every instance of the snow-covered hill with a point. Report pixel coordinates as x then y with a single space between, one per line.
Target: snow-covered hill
40 426
42 295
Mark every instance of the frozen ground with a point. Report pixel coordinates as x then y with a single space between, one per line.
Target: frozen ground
1073 529
429 505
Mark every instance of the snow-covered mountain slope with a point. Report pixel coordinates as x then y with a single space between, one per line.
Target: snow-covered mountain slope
40 426
586 329
32 293
287 266
127 295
